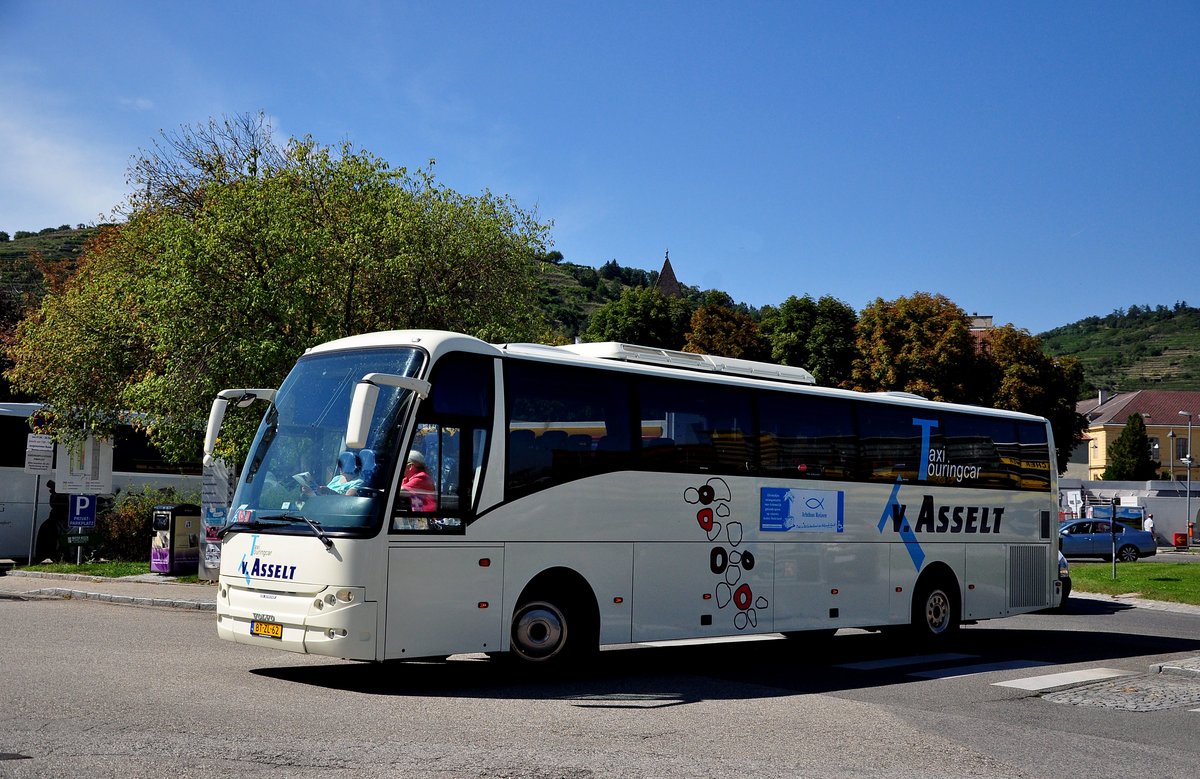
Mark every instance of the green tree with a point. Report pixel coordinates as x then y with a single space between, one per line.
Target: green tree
1129 456
642 315
817 335
920 344
237 254
1015 373
720 330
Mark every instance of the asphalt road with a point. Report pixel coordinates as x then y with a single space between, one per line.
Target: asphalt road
96 689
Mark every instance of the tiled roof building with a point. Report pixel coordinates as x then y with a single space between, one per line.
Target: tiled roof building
1166 426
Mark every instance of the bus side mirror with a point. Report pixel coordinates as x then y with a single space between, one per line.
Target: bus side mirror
366 395
362 411
242 398
215 417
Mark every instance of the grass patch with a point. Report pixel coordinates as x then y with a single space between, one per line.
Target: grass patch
1175 582
111 569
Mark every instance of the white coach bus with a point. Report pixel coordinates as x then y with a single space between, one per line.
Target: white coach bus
602 494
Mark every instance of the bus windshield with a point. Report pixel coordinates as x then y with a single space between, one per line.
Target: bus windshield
299 476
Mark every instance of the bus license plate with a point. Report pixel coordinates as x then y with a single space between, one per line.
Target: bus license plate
268 629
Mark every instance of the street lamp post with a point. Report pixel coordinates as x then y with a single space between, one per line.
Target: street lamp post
1188 462
1171 453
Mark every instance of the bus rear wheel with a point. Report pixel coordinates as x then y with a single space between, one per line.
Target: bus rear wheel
541 632
935 612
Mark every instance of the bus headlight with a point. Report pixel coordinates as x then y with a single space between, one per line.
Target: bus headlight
345 596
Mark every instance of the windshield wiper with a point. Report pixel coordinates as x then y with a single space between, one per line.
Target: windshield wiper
312 523
253 524
259 524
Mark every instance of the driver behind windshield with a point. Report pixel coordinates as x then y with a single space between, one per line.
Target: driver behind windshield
346 481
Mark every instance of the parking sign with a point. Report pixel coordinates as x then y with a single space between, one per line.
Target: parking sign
83 511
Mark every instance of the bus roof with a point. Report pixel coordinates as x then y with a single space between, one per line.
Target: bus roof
646 359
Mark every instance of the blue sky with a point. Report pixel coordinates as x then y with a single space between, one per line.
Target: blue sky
1039 162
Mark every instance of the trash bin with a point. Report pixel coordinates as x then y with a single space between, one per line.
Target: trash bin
175 546
1181 540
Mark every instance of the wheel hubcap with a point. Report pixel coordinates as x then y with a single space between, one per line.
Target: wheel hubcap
539 631
937 611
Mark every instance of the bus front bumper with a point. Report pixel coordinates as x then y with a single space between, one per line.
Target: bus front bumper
332 621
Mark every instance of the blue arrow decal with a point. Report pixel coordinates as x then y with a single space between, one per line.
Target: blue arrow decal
246 568
892 510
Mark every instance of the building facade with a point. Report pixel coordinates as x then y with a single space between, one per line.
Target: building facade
1172 418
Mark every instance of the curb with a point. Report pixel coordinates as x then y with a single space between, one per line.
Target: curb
1189 666
128 600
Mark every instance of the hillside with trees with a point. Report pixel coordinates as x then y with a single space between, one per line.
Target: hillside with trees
1136 348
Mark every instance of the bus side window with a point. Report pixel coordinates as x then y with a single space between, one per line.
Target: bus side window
695 427
804 437
563 424
449 445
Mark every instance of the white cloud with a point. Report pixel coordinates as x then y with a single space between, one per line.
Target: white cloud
52 176
138 103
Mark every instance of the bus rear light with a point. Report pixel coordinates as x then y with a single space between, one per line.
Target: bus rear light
899 589
618 599
708 596
483 604
970 586
833 591
485 562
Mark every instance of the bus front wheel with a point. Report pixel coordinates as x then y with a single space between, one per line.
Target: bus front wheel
541 632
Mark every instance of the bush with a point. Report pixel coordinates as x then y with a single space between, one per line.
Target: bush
123 528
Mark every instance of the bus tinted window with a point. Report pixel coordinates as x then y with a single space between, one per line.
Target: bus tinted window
564 423
462 386
803 437
133 453
979 451
14 432
891 440
1035 461
695 427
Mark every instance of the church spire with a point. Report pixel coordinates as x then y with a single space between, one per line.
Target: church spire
667 284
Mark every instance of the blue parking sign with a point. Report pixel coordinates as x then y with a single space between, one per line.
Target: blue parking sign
83 511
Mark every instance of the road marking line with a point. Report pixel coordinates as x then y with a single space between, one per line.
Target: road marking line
970 670
900 662
1065 679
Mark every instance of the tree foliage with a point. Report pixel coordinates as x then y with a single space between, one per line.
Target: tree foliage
237 254
920 344
817 335
1129 456
720 330
923 344
1014 372
642 315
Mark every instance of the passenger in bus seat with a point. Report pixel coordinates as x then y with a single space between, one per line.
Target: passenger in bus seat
418 483
366 457
349 475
